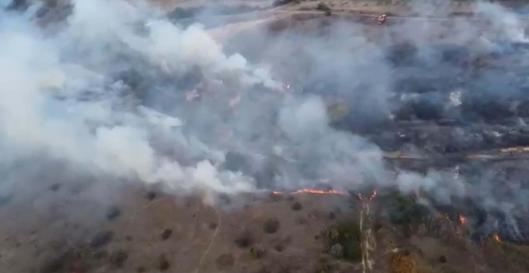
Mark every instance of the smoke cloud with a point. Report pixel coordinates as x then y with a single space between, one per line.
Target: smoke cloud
122 92
62 98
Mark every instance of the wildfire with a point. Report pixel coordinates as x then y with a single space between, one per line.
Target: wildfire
368 198
313 192
320 192
462 220
316 191
496 237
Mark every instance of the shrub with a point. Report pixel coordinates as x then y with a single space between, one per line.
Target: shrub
348 236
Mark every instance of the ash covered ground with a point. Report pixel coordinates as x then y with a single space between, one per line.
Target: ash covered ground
263 136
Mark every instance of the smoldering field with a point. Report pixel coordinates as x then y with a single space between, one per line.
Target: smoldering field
122 94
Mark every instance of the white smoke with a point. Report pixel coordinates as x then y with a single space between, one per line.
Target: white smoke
347 160
63 97
502 22
44 77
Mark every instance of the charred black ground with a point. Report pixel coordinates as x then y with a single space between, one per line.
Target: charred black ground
455 108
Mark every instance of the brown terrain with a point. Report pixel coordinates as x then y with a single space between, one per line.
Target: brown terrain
62 229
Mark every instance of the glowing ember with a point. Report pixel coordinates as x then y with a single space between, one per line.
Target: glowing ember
462 220
496 237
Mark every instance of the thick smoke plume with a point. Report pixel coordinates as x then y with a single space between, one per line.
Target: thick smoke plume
108 93
64 96
122 92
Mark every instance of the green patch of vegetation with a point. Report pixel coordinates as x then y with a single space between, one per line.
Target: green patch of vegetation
344 241
405 211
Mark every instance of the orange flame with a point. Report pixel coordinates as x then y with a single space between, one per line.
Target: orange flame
496 237
462 220
320 192
313 192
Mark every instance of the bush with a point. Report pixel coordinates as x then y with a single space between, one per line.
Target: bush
325 8
405 211
348 236
271 226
